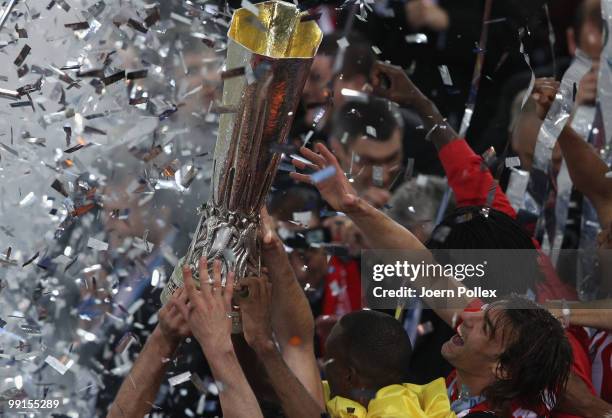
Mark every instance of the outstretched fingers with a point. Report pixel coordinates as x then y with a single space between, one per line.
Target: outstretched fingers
302 178
316 159
326 155
229 289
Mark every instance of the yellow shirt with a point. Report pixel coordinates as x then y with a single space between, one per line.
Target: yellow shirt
395 401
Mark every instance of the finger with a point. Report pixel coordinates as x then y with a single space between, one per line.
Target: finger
254 288
189 283
380 91
181 295
548 86
315 158
205 280
166 309
203 271
229 289
182 299
183 308
382 78
303 165
242 291
267 228
217 276
327 155
170 307
302 178
543 100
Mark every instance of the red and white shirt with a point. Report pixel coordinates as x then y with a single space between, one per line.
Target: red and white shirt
463 407
600 351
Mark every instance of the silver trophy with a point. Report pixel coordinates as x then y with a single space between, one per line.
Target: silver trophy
269 55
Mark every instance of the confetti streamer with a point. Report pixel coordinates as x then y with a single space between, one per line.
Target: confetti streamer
11 94
324 174
559 112
59 367
416 38
133 75
180 378
471 102
77 25
234 72
377 175
97 244
528 62
137 25
25 51
513 162
6 12
246 4
114 78
343 43
445 74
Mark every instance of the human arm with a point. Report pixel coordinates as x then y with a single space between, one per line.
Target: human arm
295 399
137 393
209 320
587 170
578 400
393 83
468 176
595 314
379 230
291 316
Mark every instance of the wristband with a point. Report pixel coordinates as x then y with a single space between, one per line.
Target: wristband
565 312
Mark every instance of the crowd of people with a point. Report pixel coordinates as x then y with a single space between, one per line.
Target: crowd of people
408 172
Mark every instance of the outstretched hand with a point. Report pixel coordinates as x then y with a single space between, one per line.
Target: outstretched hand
392 82
257 313
335 189
209 310
172 322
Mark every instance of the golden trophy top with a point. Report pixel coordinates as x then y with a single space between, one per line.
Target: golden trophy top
276 32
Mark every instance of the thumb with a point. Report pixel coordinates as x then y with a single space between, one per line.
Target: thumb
267 234
266 229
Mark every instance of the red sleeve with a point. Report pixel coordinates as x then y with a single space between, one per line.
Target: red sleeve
468 180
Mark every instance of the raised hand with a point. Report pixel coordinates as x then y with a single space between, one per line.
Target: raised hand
543 95
257 313
172 322
209 310
335 189
392 82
